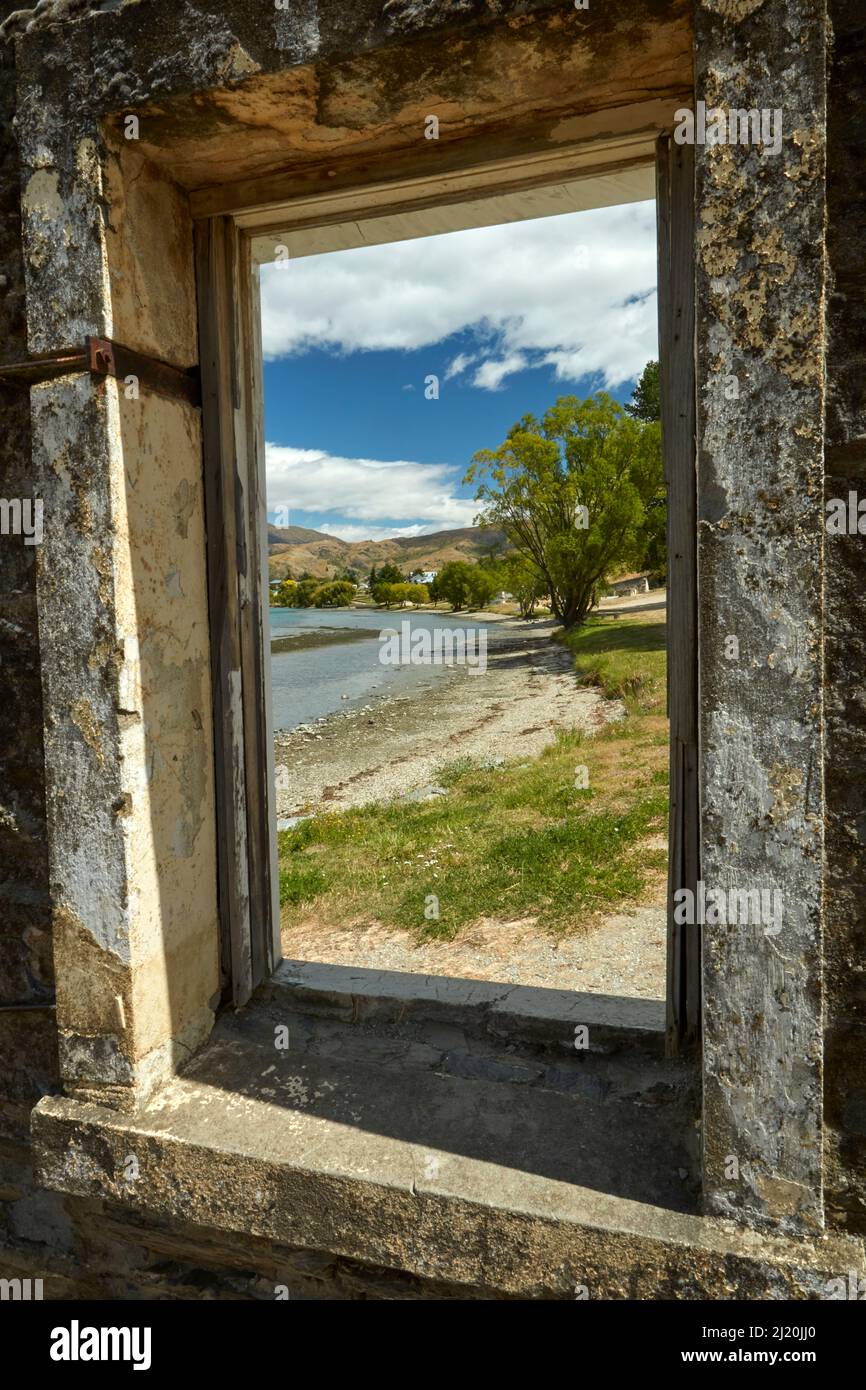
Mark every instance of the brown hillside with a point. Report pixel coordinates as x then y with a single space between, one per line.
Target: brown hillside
325 556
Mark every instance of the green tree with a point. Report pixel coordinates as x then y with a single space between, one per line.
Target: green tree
522 578
384 593
655 556
492 560
404 592
646 404
285 594
483 586
389 574
464 585
305 593
452 584
646 398
337 594
571 493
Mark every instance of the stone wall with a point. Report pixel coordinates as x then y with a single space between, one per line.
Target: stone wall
845 643
355 75
28 1048
760 322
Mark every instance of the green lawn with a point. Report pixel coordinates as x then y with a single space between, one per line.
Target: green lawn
627 657
514 841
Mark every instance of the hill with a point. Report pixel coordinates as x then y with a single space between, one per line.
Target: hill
293 535
298 549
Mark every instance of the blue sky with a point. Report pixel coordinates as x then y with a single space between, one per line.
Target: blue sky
507 318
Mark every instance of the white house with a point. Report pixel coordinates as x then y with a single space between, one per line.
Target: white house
630 584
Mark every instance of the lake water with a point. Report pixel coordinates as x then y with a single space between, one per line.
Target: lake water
310 683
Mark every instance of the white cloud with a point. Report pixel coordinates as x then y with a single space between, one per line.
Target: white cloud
576 290
459 364
366 490
492 373
375 533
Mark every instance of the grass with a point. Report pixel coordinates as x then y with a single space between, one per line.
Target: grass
627 657
512 841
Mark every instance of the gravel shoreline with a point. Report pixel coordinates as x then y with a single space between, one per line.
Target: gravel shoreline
394 745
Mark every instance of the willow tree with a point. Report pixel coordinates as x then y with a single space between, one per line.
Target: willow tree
571 493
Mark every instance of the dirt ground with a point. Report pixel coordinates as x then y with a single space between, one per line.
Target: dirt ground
623 955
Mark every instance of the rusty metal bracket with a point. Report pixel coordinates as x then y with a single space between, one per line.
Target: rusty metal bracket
43 367
104 357
113 359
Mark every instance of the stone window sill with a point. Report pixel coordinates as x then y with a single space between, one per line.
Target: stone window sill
445 1129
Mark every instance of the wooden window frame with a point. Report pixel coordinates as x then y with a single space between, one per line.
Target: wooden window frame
675 213
234 466
235 502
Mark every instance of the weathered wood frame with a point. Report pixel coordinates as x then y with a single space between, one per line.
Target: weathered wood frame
234 467
675 181
235 500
